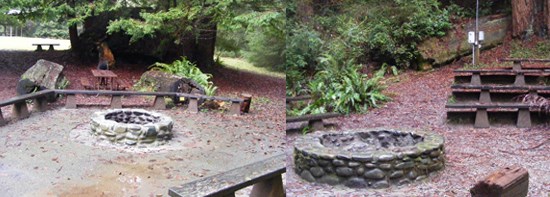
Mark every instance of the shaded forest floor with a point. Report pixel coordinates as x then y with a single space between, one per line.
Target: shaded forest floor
418 102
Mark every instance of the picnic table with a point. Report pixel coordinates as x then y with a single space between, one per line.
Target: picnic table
104 78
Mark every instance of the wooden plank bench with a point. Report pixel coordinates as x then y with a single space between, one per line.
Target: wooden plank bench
123 84
485 90
475 78
315 121
19 103
517 63
482 119
265 175
39 46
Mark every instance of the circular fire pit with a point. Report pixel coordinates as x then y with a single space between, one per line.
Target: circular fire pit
132 126
374 158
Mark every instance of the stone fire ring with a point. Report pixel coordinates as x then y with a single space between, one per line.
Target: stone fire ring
132 126
344 158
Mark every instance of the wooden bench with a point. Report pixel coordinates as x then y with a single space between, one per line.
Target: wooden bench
482 119
86 83
122 84
20 109
39 46
485 90
265 175
519 74
517 63
315 121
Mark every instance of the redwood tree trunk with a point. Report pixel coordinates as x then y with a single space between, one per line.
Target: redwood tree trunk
73 32
522 17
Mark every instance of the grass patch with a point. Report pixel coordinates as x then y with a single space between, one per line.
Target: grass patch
540 50
243 65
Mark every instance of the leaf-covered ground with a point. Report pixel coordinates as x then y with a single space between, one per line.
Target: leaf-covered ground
419 103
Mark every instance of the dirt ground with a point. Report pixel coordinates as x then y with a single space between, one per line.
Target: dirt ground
418 102
40 155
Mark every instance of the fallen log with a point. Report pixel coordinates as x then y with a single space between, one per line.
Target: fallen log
511 181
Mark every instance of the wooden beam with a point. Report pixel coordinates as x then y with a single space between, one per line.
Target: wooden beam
511 181
312 117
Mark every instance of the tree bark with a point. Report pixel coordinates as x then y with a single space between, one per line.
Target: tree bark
522 18
73 31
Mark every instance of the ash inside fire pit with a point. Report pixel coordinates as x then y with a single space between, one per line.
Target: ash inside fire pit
369 141
132 117
368 158
132 126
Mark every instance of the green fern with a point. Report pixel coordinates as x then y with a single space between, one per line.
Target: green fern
187 69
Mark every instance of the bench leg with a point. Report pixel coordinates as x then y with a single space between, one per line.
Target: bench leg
524 118
316 125
2 120
476 79
39 48
485 96
482 119
517 65
50 48
70 103
193 105
520 80
116 102
160 103
40 104
272 187
20 110
235 108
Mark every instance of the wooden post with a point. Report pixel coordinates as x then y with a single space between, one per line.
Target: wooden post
116 101
520 79
485 96
482 119
507 182
20 110
193 105
70 103
51 48
476 79
160 103
524 118
235 108
517 65
40 104
269 188
247 100
39 48
2 120
316 125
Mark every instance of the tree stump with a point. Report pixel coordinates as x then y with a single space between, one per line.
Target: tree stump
245 105
511 181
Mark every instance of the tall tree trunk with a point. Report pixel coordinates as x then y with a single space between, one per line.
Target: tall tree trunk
73 32
522 18
206 46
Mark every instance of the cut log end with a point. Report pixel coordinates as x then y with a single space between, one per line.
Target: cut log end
509 181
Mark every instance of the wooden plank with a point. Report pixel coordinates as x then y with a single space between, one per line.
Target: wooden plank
500 87
136 93
498 71
487 105
25 97
511 181
523 60
233 180
298 98
36 44
312 117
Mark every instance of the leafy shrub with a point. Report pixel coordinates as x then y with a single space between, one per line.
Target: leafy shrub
187 69
265 50
341 87
303 46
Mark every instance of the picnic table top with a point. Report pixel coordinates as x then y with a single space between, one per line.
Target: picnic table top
103 73
56 44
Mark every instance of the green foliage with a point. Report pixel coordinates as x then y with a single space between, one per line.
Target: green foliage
540 50
341 87
396 27
51 29
265 51
303 46
187 69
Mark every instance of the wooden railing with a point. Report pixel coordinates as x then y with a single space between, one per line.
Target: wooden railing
265 176
20 109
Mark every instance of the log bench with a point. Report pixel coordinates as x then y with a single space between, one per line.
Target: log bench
264 175
482 118
315 121
39 46
20 109
511 181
